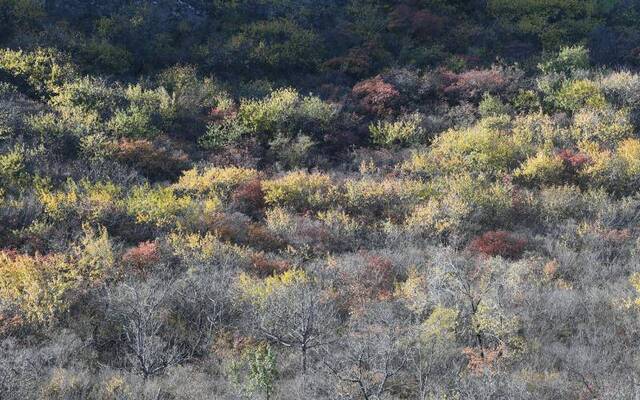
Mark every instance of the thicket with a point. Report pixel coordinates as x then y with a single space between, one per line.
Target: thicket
308 200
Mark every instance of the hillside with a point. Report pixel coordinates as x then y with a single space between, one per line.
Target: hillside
337 199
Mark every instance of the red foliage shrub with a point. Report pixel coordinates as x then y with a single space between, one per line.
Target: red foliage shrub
375 96
381 274
249 197
259 236
425 24
142 257
154 160
420 23
573 160
498 243
264 267
472 84
356 62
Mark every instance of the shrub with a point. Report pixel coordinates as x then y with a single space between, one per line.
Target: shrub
629 151
92 202
44 69
248 197
292 153
526 101
257 291
214 180
561 203
156 160
461 205
404 131
605 126
622 88
285 110
221 134
94 254
532 131
492 106
90 95
190 95
148 111
159 206
278 44
567 61
375 96
265 267
300 191
196 251
577 94
390 198
498 243
543 168
133 123
573 160
142 257
480 149
470 85
13 169
40 286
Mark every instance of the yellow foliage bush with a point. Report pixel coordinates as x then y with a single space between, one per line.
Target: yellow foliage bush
39 286
219 181
160 206
476 149
389 198
256 290
462 204
300 191
604 126
440 325
577 94
93 201
543 168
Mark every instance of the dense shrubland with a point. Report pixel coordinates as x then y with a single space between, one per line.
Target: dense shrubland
298 200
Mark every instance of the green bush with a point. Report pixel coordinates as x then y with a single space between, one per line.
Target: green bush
279 44
404 131
575 95
44 69
286 111
300 191
483 148
568 60
462 205
159 206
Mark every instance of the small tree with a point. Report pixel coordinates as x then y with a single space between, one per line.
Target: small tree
263 371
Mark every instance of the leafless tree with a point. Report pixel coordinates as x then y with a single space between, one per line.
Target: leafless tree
370 353
140 309
299 317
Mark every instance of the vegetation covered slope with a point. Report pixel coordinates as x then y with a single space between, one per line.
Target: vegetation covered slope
341 199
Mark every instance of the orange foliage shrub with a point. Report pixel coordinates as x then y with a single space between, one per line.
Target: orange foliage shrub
373 280
472 84
498 243
156 161
572 159
249 197
264 267
375 96
480 360
142 257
